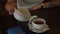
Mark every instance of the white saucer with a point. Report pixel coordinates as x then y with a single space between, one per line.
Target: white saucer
37 30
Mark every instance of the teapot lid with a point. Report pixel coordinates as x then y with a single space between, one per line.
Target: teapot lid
24 12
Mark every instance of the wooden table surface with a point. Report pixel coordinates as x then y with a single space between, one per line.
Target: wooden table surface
51 15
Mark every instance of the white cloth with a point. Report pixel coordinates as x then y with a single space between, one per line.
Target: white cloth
27 3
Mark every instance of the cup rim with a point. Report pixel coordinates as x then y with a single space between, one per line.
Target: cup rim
42 20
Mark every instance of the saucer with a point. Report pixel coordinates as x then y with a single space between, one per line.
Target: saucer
33 29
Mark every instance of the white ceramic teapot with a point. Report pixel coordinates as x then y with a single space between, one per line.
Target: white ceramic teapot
22 14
